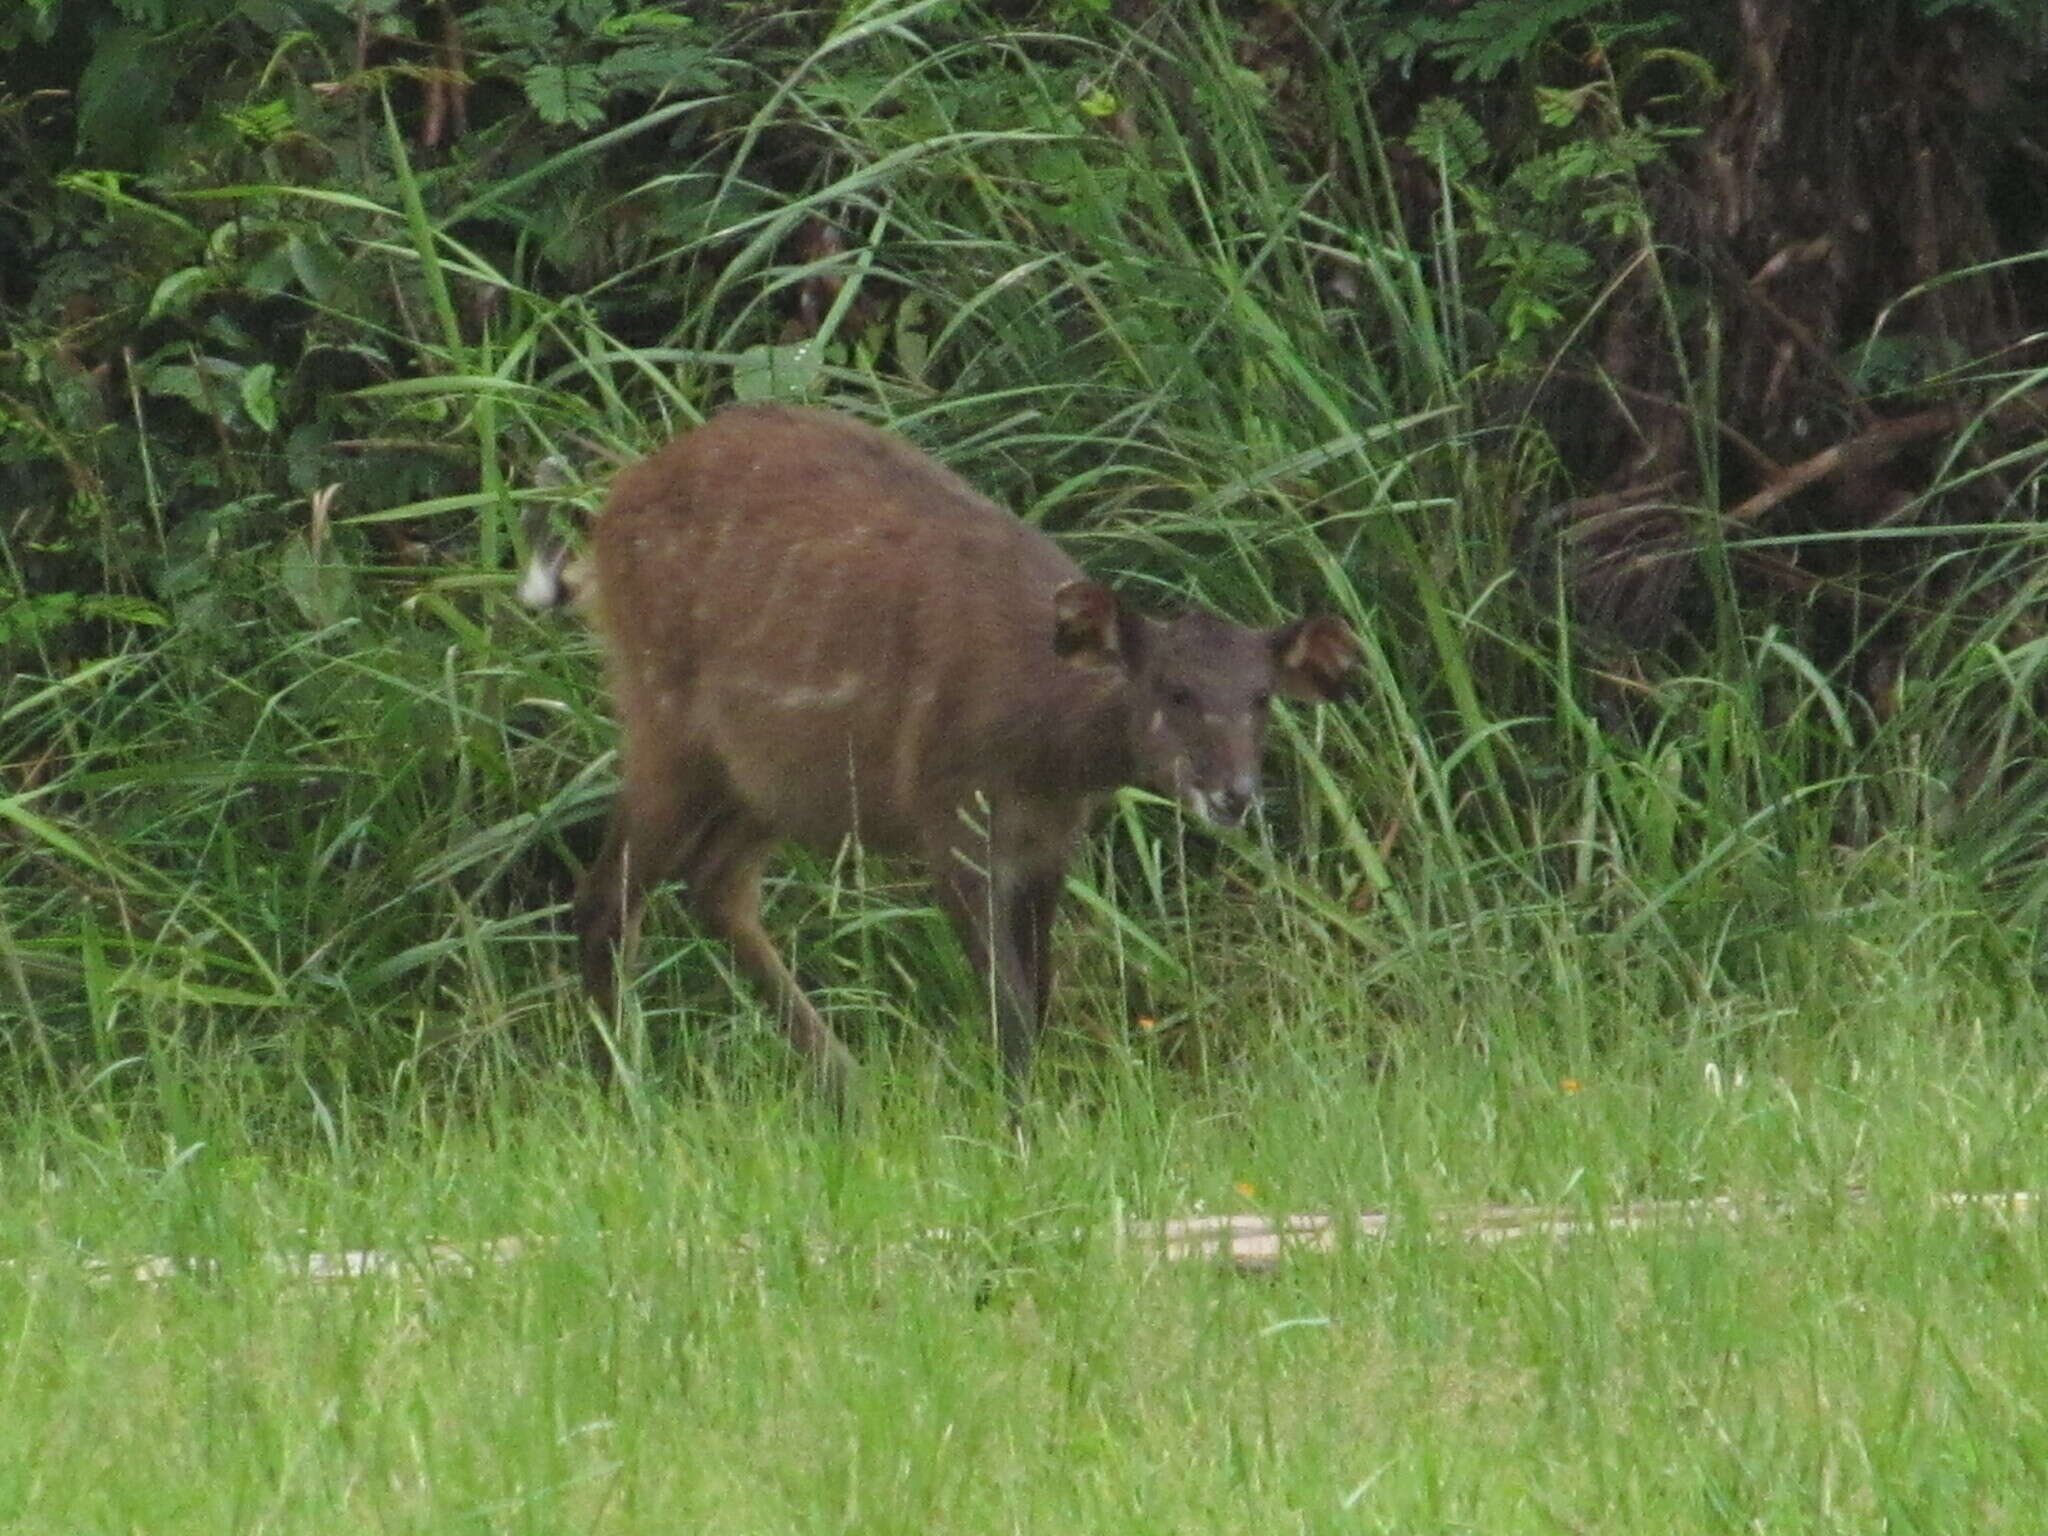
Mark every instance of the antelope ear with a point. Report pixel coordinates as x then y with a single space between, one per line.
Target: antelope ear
1090 628
1315 659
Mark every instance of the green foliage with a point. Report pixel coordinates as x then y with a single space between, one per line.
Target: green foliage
31 621
1448 136
2021 18
1488 36
565 94
1575 185
524 1304
1483 39
280 359
1228 299
123 96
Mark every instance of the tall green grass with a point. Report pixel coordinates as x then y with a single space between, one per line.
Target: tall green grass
349 835
729 1315
1530 921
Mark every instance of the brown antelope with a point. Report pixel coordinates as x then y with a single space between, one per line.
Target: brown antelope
815 632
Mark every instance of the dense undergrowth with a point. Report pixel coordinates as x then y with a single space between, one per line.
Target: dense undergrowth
1683 840
288 776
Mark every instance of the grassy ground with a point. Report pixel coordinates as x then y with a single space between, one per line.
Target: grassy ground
736 1318
1534 920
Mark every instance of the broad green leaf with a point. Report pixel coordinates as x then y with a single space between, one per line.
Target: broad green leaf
318 264
178 290
258 396
320 585
778 373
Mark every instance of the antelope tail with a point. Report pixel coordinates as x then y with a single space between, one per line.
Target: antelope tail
552 579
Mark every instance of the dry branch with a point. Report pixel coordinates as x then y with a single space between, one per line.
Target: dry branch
1248 1243
1866 450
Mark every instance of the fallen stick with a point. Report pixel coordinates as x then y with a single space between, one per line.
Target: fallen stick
1247 1242
1260 1243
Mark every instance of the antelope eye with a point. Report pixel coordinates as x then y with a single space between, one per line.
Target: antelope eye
1260 701
1180 698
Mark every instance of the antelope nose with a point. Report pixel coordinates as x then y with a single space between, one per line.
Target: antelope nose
1230 806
